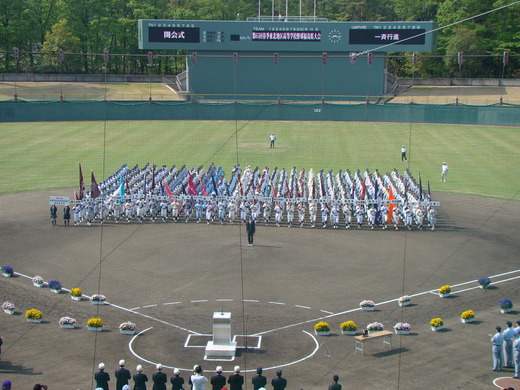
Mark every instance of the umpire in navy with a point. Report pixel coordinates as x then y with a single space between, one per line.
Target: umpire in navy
250 229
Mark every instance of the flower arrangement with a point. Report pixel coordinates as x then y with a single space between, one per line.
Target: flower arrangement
375 327
348 326
55 285
322 327
367 303
8 305
76 292
403 326
436 322
98 298
6 270
128 326
95 323
467 315
405 298
33 314
37 280
484 281
505 304
445 289
67 321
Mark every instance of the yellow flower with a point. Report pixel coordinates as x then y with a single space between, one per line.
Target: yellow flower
467 315
348 326
321 327
95 322
445 289
33 314
436 322
76 292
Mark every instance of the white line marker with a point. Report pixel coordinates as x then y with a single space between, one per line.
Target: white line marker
199 300
172 303
224 300
303 307
250 300
149 306
277 303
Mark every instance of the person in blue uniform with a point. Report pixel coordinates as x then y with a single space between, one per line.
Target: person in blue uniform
497 342
509 336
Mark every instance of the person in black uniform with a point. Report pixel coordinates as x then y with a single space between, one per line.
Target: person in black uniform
176 380
259 380
140 379
279 383
102 378
218 381
66 215
122 375
54 214
250 229
236 380
159 379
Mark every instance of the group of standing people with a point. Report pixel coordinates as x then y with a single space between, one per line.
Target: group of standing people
197 380
444 168
506 348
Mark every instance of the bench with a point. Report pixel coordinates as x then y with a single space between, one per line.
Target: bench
385 334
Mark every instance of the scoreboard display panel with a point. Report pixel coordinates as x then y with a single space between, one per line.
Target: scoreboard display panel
286 36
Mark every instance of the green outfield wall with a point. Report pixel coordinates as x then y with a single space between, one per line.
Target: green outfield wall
496 115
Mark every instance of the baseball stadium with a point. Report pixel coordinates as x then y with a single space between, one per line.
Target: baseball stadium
360 226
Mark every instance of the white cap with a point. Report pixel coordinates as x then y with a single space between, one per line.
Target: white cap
122 362
101 366
139 368
126 387
218 369
176 371
159 367
237 369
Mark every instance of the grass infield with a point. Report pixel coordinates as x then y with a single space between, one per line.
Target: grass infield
45 155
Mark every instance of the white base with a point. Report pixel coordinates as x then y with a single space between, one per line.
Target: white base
130 332
66 326
97 302
220 350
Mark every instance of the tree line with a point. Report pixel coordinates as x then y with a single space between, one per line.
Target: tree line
85 29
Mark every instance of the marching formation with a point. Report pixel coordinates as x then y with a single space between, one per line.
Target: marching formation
267 196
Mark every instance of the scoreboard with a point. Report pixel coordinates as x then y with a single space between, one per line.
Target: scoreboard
282 36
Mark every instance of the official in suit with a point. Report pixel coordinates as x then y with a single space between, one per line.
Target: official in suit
102 378
218 381
236 380
176 380
279 383
335 385
159 379
250 229
140 379
122 375
259 380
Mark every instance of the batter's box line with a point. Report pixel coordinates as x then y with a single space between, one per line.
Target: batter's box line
210 336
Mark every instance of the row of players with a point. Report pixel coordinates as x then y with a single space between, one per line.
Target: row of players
222 210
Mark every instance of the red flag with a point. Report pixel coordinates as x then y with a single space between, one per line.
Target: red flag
94 189
363 191
390 206
191 185
81 184
167 189
203 188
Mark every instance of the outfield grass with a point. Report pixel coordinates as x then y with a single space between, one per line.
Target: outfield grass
45 156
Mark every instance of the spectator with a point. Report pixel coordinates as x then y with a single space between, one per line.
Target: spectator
197 379
140 379
159 378
176 380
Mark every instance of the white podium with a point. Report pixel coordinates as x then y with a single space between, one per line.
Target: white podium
221 346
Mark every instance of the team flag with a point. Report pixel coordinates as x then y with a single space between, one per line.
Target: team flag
121 188
94 189
420 186
390 206
191 185
81 184
167 189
